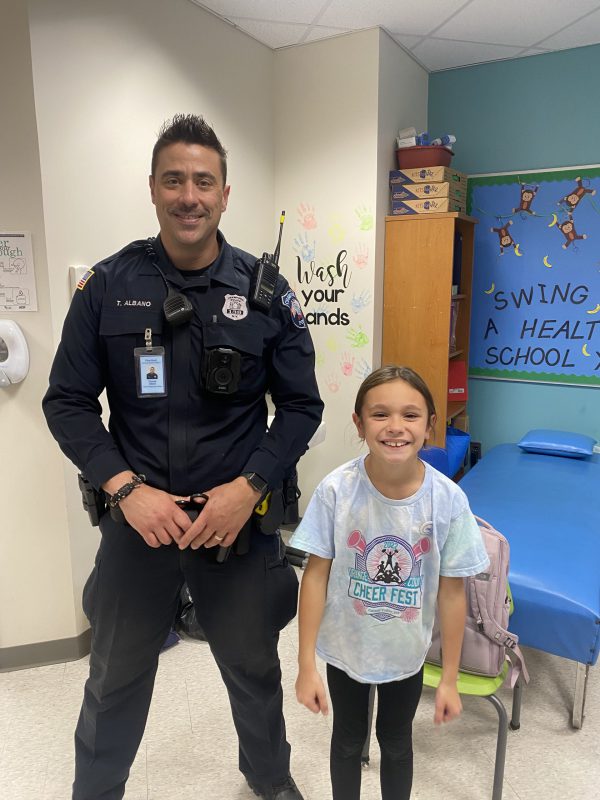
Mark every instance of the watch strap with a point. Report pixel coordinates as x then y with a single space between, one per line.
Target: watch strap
256 482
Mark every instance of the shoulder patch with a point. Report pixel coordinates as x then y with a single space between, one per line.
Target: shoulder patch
290 301
84 279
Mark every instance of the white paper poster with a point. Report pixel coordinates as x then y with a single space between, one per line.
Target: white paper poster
17 275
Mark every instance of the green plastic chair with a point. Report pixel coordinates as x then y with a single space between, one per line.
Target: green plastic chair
483 686
478 686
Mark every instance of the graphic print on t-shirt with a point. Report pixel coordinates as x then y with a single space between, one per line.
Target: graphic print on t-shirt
386 580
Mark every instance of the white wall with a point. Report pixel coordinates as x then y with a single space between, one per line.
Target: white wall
36 593
340 104
326 173
309 129
403 91
105 77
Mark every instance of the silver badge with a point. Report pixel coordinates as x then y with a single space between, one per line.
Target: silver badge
235 306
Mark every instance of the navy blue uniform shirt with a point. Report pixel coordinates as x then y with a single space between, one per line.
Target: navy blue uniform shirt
190 440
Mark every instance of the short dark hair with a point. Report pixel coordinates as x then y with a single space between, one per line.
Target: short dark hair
191 129
389 373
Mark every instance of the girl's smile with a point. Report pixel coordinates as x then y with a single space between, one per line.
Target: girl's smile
394 421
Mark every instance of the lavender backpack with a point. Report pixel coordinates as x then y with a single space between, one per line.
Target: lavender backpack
487 642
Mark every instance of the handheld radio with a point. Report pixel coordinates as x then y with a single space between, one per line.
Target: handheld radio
264 277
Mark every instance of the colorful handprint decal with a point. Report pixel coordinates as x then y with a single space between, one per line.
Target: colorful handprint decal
361 255
304 247
363 369
332 382
336 230
360 301
306 216
347 364
357 337
365 218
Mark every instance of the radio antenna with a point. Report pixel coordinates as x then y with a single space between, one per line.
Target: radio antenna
276 253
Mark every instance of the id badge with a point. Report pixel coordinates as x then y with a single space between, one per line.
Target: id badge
150 374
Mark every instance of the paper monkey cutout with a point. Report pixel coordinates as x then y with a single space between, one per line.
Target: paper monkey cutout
567 228
572 200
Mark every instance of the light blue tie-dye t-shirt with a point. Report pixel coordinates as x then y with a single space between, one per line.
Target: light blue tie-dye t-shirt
387 559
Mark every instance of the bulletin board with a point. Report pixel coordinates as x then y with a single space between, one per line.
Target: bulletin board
536 280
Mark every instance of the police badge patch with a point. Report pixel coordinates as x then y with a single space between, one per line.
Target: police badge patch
290 300
235 306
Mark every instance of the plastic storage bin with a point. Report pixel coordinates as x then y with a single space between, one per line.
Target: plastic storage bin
457 444
423 156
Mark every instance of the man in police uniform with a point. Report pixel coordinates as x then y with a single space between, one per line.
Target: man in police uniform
203 430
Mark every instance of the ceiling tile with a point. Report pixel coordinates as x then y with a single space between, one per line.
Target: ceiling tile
409 42
407 16
271 10
586 31
441 34
534 51
273 34
444 54
513 22
321 32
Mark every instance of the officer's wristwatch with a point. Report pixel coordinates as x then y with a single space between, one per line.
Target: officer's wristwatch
256 482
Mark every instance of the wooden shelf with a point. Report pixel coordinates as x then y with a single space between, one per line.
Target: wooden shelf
454 409
440 215
417 301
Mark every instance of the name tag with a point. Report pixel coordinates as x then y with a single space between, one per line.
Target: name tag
150 371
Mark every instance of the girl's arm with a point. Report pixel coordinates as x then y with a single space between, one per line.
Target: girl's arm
310 690
452 608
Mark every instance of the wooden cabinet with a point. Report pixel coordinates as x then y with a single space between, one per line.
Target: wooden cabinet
417 299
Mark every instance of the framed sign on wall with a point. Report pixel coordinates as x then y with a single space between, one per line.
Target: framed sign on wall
536 280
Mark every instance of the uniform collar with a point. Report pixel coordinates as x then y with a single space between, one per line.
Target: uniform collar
221 271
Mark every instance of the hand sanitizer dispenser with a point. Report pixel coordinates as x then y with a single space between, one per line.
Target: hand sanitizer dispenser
14 353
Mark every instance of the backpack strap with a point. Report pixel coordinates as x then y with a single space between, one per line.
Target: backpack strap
495 632
518 667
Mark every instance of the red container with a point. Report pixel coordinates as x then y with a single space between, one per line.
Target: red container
423 156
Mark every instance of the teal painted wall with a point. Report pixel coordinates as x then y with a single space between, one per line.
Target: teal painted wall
528 113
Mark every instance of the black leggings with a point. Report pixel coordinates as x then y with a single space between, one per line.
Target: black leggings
396 707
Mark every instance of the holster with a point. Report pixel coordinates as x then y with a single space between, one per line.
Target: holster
291 494
270 520
93 501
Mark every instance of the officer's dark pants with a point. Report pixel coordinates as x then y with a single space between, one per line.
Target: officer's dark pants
131 600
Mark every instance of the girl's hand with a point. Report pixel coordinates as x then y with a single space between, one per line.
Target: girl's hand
310 691
447 703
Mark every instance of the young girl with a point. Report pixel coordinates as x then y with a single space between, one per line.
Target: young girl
388 535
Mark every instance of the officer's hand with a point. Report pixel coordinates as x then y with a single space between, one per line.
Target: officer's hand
227 509
155 515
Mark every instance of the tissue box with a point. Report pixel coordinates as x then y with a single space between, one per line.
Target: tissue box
427 175
434 205
418 191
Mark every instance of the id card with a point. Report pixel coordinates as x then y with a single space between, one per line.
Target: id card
150 371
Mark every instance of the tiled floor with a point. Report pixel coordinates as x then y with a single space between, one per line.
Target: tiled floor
189 750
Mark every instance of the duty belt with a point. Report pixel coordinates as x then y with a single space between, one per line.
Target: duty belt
242 543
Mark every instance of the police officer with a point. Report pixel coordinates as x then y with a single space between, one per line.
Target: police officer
183 303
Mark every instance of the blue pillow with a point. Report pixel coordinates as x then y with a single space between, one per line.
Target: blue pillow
557 443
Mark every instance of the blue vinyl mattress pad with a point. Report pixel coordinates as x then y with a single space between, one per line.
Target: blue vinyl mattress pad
548 507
